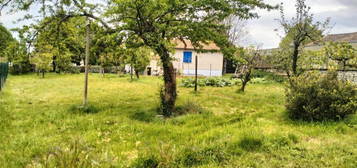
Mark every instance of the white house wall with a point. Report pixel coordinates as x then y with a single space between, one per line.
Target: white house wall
209 64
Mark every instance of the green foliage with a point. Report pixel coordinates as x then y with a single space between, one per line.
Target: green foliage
19 58
212 81
299 31
315 97
5 40
139 58
43 58
341 53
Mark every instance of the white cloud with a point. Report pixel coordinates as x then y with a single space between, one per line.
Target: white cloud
341 12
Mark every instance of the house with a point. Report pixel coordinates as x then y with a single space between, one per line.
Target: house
210 61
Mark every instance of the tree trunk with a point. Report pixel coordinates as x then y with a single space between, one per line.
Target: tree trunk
245 80
43 74
137 74
244 83
295 59
169 92
102 71
86 64
131 72
54 65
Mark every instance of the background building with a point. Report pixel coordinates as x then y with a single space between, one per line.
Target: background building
210 60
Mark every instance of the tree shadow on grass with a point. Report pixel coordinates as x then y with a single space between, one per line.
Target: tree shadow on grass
80 109
144 115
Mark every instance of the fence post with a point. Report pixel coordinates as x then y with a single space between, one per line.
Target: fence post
4 70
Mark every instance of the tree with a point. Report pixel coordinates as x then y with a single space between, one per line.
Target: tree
157 23
299 31
247 60
43 58
138 59
5 40
17 55
341 52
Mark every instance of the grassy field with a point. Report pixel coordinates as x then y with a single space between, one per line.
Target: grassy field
42 126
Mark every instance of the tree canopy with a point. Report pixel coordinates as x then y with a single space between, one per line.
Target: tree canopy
155 23
5 40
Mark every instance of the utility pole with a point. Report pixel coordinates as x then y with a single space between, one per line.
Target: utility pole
196 79
86 64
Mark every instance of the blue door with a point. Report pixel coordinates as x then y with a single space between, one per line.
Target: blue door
187 57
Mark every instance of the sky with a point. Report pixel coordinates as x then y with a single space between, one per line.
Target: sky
262 30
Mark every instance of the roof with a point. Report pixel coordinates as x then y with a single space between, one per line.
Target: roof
346 37
187 45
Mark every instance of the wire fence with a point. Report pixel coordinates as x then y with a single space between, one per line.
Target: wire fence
4 70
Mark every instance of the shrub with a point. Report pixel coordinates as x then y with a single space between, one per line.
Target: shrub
318 97
73 70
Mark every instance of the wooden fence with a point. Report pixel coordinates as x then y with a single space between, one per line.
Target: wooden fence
4 70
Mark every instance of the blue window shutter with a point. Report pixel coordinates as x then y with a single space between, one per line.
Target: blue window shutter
187 57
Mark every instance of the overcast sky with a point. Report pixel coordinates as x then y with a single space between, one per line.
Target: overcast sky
343 14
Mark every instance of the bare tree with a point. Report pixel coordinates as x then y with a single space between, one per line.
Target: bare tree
237 32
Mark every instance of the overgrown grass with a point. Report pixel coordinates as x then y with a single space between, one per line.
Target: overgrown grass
42 124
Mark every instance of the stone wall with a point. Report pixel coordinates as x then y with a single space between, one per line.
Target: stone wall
348 75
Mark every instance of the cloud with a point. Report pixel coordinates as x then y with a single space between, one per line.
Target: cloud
342 13
261 31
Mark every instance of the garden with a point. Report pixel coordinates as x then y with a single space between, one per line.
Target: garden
42 126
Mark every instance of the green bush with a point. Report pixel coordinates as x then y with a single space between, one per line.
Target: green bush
212 81
318 97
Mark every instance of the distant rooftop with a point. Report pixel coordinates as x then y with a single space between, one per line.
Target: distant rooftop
187 45
345 37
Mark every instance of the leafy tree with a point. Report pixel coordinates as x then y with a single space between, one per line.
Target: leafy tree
67 36
341 52
157 23
43 58
247 60
5 40
16 53
138 59
299 31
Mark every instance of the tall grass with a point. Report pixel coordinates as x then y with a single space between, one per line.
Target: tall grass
42 124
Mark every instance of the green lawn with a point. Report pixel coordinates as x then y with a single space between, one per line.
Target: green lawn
40 124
